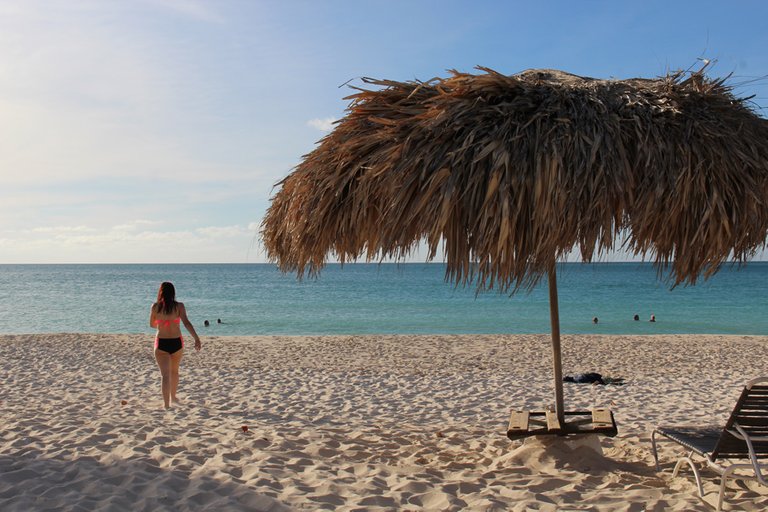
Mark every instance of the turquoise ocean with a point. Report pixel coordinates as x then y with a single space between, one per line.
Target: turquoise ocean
413 298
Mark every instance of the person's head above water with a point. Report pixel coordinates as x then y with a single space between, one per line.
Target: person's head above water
637 317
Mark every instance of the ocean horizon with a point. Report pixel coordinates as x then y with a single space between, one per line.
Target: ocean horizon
369 298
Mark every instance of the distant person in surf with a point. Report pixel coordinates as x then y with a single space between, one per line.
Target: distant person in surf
653 318
166 315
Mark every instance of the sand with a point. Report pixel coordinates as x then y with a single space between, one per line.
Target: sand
355 423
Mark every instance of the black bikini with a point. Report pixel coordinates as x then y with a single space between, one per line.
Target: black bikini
169 345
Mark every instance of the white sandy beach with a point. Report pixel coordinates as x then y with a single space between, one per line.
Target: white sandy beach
355 423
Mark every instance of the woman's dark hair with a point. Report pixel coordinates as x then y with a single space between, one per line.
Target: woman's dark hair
166 298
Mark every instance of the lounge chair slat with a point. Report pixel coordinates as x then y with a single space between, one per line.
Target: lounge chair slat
750 421
757 403
731 441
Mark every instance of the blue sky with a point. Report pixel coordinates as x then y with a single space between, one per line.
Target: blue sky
154 130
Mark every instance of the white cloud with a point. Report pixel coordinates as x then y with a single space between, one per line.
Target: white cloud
57 230
130 243
324 125
222 231
134 225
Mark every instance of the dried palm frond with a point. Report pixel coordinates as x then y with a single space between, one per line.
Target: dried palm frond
510 173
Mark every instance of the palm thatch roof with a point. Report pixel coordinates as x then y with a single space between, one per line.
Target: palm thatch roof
511 173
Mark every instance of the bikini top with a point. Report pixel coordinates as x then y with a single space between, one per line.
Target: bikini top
166 323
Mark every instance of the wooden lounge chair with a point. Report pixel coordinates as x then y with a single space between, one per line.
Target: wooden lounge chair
535 423
745 436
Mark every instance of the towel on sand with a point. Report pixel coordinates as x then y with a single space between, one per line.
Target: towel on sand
593 378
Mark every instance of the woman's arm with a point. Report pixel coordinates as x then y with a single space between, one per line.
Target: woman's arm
152 317
189 326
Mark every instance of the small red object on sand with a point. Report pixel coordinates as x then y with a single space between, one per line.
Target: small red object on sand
123 402
245 428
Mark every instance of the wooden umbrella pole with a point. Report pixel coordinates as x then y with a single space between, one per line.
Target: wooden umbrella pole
554 316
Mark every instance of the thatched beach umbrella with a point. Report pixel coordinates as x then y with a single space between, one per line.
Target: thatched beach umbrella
509 174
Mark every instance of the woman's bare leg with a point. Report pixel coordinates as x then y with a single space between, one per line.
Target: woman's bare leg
163 359
175 362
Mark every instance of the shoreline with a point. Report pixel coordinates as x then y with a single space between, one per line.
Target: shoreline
355 421
707 336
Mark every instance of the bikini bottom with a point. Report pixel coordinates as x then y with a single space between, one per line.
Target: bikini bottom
169 345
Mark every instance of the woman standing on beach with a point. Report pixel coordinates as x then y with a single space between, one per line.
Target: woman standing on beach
166 314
